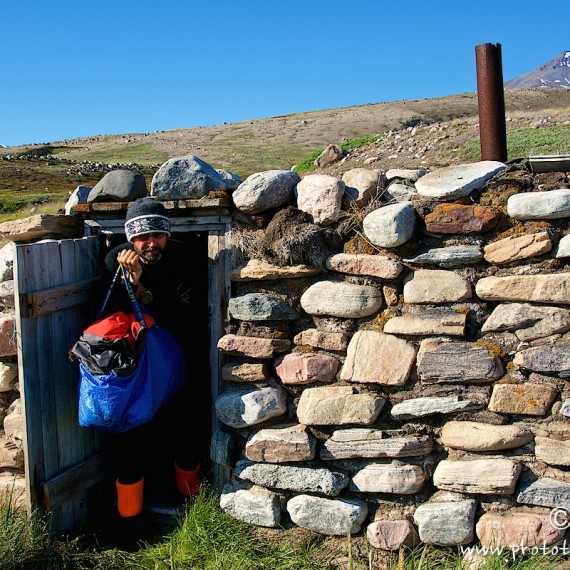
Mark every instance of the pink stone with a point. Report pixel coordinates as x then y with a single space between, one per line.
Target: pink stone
8 344
304 368
391 535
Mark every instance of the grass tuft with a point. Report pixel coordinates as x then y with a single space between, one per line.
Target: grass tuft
209 539
308 164
526 142
204 537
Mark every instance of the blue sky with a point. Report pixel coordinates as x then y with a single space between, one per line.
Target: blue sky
81 68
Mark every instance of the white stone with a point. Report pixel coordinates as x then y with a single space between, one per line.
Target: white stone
457 181
391 225
549 205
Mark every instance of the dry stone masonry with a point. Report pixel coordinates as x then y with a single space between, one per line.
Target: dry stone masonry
397 350
414 376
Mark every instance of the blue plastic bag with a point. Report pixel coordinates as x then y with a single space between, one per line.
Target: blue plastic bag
120 400
114 404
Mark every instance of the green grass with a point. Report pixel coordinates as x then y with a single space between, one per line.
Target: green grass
139 153
308 163
248 160
358 142
45 150
526 142
13 207
430 557
206 538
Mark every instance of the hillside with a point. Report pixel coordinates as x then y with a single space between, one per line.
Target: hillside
444 126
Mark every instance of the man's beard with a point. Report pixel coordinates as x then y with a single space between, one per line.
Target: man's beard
149 254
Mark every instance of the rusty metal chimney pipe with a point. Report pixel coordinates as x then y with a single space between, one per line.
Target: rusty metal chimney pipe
491 100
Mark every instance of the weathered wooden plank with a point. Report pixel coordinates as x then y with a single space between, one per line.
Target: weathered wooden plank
219 294
74 261
42 303
100 207
170 205
182 224
74 480
53 438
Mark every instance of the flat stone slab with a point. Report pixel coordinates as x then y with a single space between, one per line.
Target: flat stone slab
452 256
354 443
515 248
430 322
246 371
552 451
528 321
388 478
550 288
457 181
42 226
456 362
259 270
337 341
365 264
254 347
291 478
337 517
421 407
450 218
488 476
338 405
528 399
478 436
378 358
241 408
261 307
547 359
436 286
545 492
281 444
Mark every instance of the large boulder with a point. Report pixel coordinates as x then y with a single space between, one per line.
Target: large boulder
186 178
119 186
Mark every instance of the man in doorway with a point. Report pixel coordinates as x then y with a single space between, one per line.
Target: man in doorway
167 451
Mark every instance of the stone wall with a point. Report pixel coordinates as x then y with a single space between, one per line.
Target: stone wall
397 355
397 350
11 435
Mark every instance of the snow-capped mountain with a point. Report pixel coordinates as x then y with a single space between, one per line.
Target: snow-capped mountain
553 73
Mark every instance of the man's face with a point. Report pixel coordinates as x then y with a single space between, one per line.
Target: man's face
150 246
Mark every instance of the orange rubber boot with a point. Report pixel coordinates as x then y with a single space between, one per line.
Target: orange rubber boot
187 482
130 498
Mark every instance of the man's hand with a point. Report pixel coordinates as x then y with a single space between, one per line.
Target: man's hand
130 260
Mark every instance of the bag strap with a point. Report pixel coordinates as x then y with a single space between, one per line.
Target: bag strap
108 294
134 301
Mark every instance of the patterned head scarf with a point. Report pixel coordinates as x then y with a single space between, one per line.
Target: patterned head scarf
146 216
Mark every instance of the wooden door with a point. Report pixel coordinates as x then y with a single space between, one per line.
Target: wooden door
54 286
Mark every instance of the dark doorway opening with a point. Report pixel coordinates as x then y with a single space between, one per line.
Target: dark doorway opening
188 434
